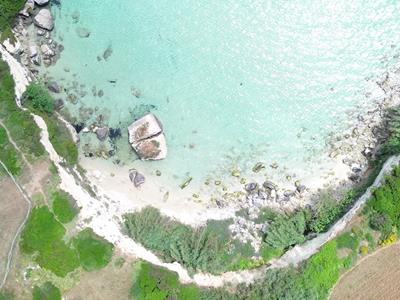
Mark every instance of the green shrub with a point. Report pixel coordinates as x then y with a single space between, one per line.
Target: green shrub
9 9
286 231
63 207
46 291
94 252
38 98
347 240
6 295
43 236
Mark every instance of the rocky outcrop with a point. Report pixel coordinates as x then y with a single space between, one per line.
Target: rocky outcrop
42 2
147 138
44 19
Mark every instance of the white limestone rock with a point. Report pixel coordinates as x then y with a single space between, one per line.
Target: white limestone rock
44 19
13 47
42 2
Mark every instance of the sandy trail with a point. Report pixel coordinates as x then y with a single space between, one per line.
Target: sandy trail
104 215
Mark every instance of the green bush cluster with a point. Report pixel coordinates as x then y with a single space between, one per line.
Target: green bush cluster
39 100
6 295
44 238
157 283
383 209
19 123
207 248
63 206
46 291
94 252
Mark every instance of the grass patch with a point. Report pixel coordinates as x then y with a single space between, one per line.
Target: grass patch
348 240
6 295
20 124
43 238
63 206
157 283
8 154
94 252
46 291
9 9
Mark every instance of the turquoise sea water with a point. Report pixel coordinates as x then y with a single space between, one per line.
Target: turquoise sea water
235 81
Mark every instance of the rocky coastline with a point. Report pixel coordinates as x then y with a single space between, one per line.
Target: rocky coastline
352 150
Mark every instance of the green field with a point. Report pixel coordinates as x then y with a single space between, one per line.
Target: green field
46 291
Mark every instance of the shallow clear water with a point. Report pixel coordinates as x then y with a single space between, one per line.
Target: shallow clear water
234 82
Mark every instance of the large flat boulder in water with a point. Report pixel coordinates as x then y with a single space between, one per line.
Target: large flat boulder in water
44 19
147 138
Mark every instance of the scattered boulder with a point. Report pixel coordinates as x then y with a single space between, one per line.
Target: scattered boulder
269 185
258 167
33 51
83 32
46 50
44 19
136 178
102 133
147 138
107 53
250 187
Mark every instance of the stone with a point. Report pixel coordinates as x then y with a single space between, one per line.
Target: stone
235 173
186 183
33 51
12 46
136 178
83 32
46 50
42 2
258 167
54 87
144 128
251 186
270 185
28 8
300 188
147 138
102 133
44 19
154 148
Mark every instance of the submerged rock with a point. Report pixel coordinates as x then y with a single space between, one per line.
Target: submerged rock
102 133
54 87
44 19
147 138
83 32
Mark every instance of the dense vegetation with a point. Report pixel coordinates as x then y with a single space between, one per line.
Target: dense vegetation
205 248
63 206
46 291
94 252
38 100
383 209
20 123
44 238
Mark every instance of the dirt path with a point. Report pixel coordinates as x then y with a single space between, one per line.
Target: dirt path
374 277
14 239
